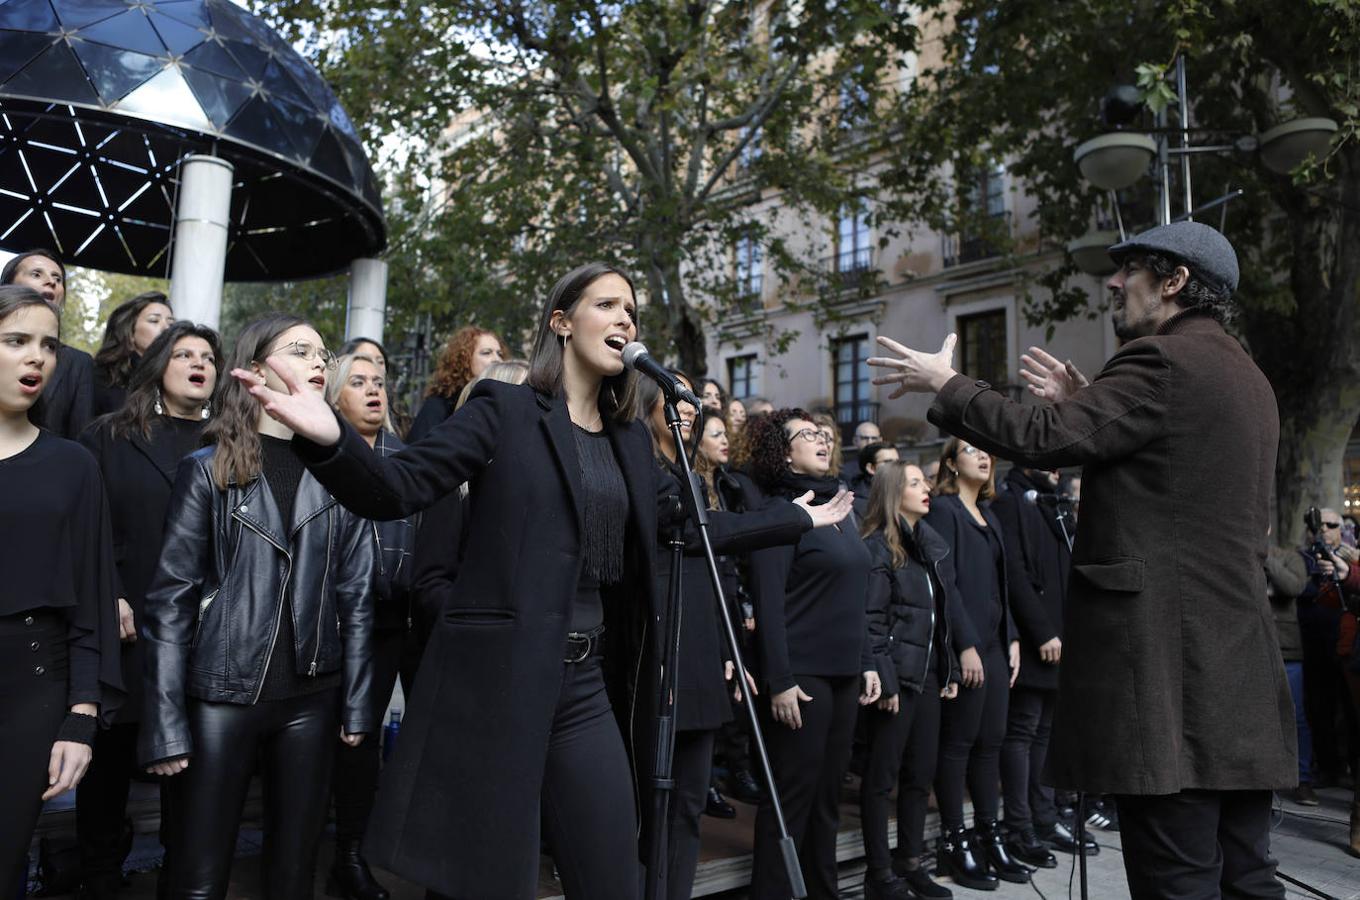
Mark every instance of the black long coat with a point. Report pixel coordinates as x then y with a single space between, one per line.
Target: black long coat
948 517
1171 679
1038 565
458 809
138 477
67 404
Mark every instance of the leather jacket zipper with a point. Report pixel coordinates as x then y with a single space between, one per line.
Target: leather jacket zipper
949 667
321 600
930 640
278 618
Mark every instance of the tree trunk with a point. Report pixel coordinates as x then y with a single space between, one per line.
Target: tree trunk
684 340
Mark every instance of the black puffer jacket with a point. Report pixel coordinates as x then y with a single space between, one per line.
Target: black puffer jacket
213 608
912 610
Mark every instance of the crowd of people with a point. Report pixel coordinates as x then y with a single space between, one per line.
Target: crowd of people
222 561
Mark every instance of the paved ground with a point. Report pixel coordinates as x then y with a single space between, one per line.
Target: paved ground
1309 843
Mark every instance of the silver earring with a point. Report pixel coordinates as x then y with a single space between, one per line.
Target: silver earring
207 410
160 410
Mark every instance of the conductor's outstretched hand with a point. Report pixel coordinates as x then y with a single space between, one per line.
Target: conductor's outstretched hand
915 371
1049 378
830 512
303 409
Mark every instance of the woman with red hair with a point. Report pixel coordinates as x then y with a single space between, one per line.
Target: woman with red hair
464 357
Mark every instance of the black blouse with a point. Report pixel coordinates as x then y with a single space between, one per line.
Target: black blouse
56 553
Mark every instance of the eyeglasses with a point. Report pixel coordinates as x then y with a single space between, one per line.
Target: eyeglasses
308 351
969 450
812 436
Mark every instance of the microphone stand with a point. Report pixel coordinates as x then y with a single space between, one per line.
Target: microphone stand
663 781
1061 509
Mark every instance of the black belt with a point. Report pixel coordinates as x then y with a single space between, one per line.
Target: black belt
581 645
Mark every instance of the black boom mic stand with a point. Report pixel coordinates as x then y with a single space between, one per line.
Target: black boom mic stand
663 780
1060 511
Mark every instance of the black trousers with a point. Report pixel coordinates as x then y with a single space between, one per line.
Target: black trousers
808 766
1198 845
293 743
904 744
1324 701
972 729
395 652
587 804
691 767
33 704
101 807
1029 802
732 743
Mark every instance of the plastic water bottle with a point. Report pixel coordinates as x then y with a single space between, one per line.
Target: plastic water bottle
390 735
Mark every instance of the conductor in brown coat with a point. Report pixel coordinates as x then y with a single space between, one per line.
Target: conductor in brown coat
1172 696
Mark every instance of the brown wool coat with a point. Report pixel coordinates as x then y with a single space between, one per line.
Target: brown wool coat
1171 678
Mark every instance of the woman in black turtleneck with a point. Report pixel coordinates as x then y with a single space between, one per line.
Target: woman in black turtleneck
974 725
814 655
258 626
138 449
131 328
916 618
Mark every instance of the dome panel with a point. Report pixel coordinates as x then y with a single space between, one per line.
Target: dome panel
282 86
227 22
330 159
190 12
220 98
129 31
29 15
115 72
79 13
301 126
54 75
166 98
251 58
211 56
19 48
255 124
177 36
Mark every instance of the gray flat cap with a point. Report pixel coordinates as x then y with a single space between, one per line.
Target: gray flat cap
1203 249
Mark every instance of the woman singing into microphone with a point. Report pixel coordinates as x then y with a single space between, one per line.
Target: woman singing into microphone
510 723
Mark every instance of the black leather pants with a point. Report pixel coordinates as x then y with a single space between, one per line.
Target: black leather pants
293 742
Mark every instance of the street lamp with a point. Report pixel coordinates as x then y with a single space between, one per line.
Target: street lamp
1119 159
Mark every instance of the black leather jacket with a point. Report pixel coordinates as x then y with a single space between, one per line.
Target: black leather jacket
912 610
213 608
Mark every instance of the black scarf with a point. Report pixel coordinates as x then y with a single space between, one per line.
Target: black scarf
793 485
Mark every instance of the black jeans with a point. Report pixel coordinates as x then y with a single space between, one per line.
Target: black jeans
101 807
905 744
293 743
972 728
1029 802
1198 845
589 818
808 766
33 704
395 652
691 768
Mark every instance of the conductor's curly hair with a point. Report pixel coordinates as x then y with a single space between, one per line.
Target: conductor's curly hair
767 445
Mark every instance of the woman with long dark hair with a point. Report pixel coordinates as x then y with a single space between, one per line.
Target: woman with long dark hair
131 328
973 727
913 614
59 670
68 392
513 724
138 449
468 352
258 627
815 659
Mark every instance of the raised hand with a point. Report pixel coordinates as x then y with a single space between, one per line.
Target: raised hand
1049 378
830 512
302 409
915 370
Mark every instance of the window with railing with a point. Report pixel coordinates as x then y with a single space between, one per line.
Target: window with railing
741 375
854 257
850 378
984 215
982 347
750 274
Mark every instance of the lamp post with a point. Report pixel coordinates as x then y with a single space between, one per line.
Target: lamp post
1119 159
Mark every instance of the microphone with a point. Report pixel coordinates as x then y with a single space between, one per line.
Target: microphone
636 357
1034 498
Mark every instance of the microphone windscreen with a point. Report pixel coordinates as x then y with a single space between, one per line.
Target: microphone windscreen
633 352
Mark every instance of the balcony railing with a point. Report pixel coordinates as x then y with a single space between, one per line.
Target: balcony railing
851 266
965 247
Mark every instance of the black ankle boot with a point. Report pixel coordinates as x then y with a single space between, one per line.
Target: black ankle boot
1025 846
992 846
350 877
912 871
961 861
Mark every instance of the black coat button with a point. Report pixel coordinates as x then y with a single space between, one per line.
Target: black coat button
39 671
33 646
28 620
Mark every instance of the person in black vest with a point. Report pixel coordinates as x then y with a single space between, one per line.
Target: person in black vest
814 656
138 449
131 328
560 553
258 629
974 726
358 391
68 392
59 673
1038 565
913 609
468 352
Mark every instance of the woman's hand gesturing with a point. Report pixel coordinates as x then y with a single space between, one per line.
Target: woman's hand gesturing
302 409
830 512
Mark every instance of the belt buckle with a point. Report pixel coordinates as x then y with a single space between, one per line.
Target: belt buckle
585 641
